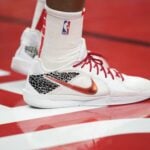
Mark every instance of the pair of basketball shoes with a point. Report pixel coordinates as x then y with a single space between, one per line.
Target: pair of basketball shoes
86 80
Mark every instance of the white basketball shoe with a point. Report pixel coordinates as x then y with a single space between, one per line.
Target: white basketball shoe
82 82
28 49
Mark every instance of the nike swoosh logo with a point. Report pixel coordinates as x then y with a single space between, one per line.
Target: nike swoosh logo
91 90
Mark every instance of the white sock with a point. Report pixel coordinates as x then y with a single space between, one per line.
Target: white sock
38 12
63 37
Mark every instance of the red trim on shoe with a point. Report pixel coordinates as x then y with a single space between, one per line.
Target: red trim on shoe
43 31
39 25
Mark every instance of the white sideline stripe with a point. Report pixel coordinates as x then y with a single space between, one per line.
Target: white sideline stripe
4 73
27 113
75 133
14 86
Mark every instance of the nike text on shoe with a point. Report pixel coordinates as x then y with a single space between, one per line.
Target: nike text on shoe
87 82
28 49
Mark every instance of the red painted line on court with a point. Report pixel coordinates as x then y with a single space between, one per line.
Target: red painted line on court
9 99
119 142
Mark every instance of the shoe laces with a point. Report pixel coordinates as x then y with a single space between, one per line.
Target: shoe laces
94 58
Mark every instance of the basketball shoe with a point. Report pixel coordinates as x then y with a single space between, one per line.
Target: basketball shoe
83 80
28 49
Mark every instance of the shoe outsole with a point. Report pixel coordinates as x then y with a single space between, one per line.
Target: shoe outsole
59 101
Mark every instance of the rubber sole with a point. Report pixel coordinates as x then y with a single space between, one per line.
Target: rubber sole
59 101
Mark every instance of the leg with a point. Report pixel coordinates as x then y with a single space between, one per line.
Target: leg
66 5
63 32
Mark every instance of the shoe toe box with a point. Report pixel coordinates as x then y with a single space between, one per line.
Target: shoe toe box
138 84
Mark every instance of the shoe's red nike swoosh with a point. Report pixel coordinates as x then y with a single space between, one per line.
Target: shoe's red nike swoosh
91 90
